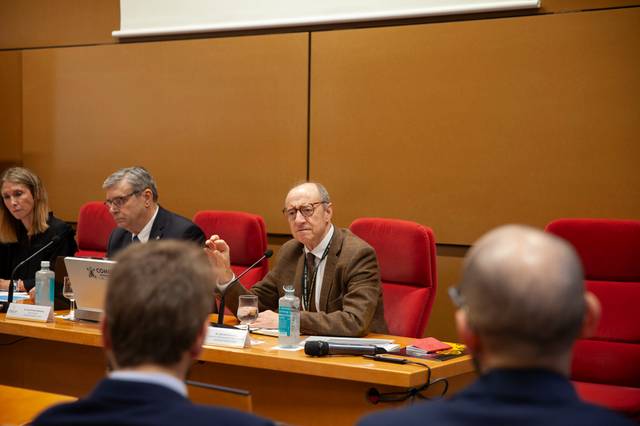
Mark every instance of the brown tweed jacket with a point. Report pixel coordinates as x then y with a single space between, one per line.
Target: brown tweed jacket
351 294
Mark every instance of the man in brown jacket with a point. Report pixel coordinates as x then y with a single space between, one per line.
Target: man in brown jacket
334 273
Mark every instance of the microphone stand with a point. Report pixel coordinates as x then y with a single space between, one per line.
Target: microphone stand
4 306
220 323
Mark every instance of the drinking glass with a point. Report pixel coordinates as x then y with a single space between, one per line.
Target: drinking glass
67 292
247 309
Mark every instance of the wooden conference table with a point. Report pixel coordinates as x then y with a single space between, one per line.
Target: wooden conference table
20 406
66 357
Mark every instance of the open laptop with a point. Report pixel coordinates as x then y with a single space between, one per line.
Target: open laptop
89 280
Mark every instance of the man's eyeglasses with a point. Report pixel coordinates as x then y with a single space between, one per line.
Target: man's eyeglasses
306 210
118 202
456 297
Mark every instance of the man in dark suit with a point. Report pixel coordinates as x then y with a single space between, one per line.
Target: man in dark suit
334 272
155 321
132 199
521 305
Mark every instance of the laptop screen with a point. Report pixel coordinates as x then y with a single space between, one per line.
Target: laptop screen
89 281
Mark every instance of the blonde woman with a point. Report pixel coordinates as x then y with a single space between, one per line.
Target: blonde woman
26 225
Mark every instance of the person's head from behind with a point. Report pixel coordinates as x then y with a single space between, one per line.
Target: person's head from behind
522 301
157 304
308 210
24 201
131 196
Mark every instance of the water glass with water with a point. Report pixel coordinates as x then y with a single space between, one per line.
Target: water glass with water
247 309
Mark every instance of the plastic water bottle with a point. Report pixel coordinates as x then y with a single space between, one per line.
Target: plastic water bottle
288 319
45 285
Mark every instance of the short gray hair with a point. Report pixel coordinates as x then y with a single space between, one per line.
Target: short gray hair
324 194
138 177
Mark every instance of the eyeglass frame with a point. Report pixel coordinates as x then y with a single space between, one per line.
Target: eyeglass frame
456 297
120 201
285 211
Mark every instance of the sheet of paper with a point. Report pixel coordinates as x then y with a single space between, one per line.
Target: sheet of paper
273 332
349 340
18 295
386 344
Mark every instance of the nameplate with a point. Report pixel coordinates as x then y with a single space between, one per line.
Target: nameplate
227 337
37 313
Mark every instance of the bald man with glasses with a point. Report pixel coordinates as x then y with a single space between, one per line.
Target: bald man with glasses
132 200
334 273
520 307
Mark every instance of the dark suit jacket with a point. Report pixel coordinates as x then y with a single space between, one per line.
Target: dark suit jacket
123 402
505 397
351 295
166 226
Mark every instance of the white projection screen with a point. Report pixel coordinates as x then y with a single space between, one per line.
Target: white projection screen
141 18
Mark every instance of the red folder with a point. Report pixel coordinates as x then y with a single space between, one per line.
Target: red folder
430 344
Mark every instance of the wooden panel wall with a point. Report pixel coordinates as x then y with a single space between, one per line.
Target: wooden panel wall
41 23
10 108
46 23
554 6
220 123
549 105
464 126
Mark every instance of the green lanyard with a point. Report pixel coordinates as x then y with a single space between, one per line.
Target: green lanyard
306 288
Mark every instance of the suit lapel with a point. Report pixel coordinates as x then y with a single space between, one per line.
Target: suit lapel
157 229
126 239
329 270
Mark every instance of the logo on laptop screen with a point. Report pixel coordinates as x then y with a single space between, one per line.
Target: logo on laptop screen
98 273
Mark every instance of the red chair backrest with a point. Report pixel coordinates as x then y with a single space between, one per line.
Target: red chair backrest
610 254
407 257
246 235
609 249
95 224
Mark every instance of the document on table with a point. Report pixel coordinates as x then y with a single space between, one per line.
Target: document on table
386 344
18 295
273 332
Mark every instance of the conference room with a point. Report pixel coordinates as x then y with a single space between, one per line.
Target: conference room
433 125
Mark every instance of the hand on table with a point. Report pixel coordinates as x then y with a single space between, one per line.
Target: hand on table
266 319
4 285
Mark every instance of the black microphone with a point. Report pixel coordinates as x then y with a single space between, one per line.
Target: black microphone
220 323
321 348
4 306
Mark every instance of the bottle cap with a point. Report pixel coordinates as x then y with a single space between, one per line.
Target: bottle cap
44 264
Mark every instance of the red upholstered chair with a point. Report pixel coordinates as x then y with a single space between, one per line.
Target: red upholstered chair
407 257
606 367
94 227
247 238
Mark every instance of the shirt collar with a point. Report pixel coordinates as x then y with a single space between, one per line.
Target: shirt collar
318 251
144 234
155 378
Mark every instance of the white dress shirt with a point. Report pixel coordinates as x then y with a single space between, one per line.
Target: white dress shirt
156 378
144 234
